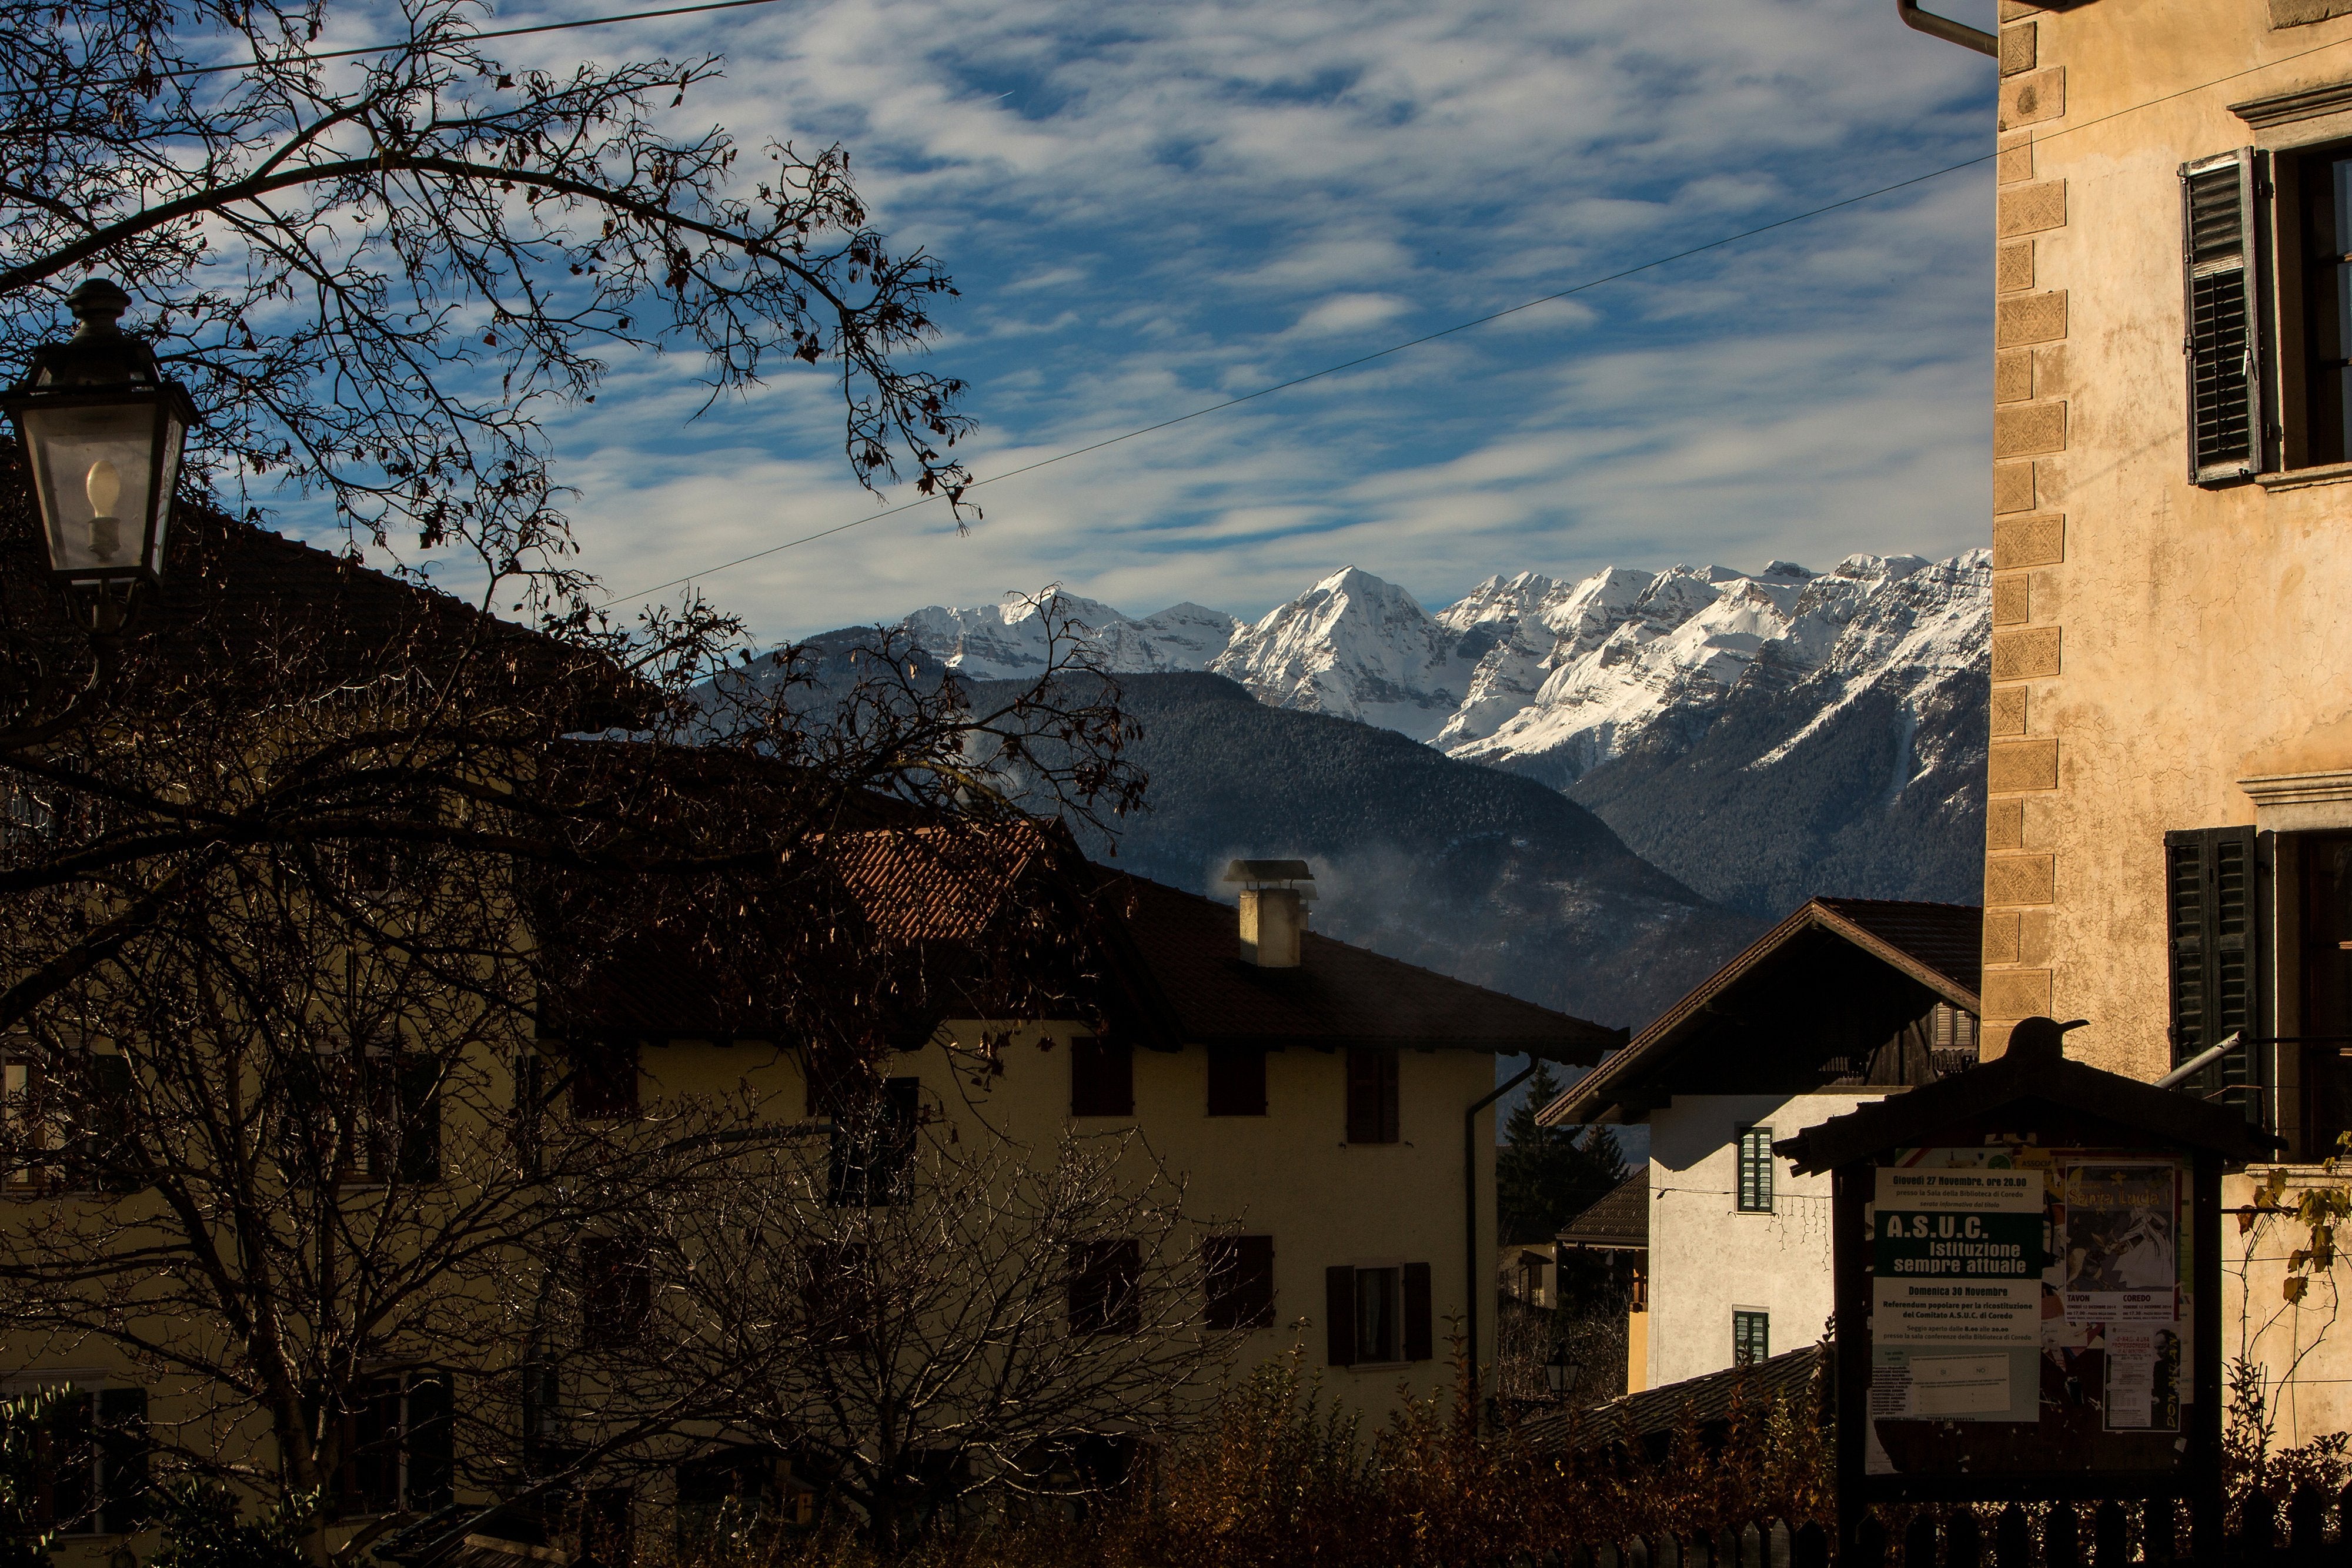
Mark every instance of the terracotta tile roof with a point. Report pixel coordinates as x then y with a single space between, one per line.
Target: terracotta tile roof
1935 948
932 883
1619 1220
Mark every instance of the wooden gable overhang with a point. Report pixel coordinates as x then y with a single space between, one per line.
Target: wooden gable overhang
1822 999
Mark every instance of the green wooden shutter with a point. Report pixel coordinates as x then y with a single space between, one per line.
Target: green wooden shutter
1339 1315
2224 340
2214 957
1755 1170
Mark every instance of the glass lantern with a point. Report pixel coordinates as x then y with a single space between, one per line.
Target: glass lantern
102 432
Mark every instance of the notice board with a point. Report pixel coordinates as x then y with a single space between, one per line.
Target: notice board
2032 1310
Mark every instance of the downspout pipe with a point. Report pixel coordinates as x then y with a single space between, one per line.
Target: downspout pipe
1478 1267
1944 27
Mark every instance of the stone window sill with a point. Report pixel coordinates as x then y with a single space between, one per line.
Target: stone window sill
2306 479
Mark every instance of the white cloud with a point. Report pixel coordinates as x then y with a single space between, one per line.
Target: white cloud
1151 208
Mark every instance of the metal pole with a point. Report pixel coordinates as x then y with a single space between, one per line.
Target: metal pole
2199 1062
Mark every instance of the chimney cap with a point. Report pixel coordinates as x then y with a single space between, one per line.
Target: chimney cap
1258 872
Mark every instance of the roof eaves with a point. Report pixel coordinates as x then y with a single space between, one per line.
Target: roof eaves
1927 974
1578 1105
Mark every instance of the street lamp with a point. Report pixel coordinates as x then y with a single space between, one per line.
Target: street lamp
102 430
1560 1370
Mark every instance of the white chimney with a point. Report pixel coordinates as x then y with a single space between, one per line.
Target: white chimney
1274 910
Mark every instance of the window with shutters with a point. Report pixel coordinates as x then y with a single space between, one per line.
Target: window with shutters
397 1445
1102 1077
1752 1337
604 1078
69 1128
2223 341
92 1479
617 1292
1106 1288
1755 1186
2320 983
1236 1082
2213 960
1240 1280
1371 1096
873 1142
1378 1314
366 1115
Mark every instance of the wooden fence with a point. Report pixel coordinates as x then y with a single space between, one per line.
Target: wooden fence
2313 1530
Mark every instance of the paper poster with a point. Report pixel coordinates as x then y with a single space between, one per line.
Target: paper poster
2121 1259
2143 1383
1956 1257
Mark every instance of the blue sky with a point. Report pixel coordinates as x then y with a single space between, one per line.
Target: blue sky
1151 207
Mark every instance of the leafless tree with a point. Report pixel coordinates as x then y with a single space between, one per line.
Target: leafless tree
379 274
320 861
916 1308
305 930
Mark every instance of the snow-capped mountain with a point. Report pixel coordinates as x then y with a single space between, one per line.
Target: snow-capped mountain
1010 640
1851 700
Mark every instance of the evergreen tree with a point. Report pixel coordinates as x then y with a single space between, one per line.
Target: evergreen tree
1545 1177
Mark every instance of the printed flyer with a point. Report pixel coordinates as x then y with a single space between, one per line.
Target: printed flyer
1957 1257
2120 1246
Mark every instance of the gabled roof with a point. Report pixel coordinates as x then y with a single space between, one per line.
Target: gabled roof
2034 1071
1170 972
1838 953
1619 1220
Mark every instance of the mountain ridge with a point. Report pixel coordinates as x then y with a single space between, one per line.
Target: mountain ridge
1761 736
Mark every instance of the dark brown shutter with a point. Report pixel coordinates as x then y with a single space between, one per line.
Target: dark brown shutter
1254 1257
1240 1281
2213 941
418 1103
1371 1096
428 1440
123 1445
1418 1342
1339 1315
1102 1078
1236 1082
1105 1288
2223 341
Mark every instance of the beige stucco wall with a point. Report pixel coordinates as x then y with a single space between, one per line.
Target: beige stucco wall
2154 643
1706 1259
1290 1174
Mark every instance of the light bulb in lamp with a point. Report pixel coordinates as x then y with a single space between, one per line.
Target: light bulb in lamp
105 487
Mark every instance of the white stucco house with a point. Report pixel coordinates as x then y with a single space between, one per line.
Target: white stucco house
1846 1000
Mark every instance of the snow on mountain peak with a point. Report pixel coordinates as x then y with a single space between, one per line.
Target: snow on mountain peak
1528 669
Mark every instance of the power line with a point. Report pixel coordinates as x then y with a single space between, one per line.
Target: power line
1318 375
1464 326
495 33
